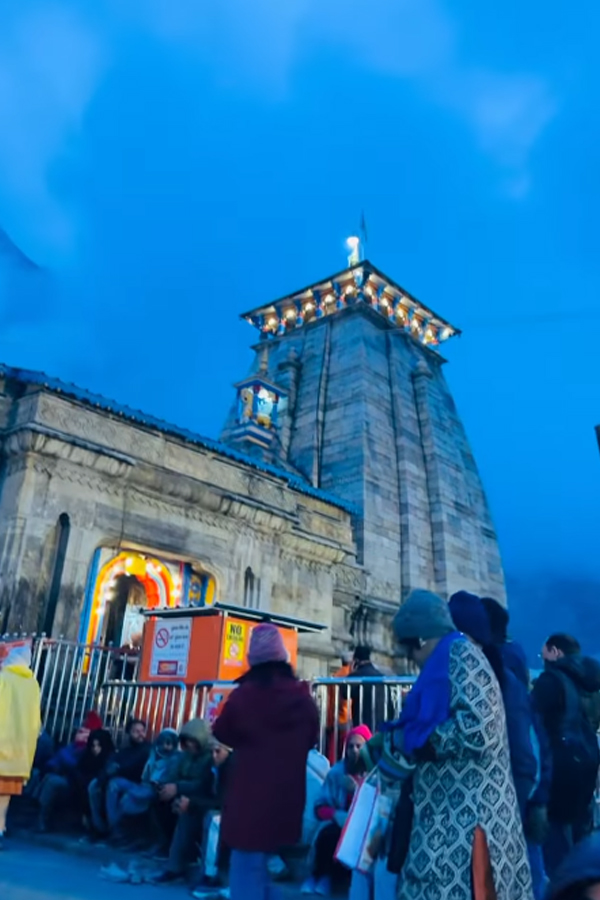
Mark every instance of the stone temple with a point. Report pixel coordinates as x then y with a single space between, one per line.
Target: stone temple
342 480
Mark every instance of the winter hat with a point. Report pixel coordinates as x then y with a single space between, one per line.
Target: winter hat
92 721
362 730
266 645
424 615
469 616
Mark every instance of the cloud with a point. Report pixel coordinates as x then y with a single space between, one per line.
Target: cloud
411 40
508 113
50 61
54 55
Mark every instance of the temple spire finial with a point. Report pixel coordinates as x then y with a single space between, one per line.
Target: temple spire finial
353 244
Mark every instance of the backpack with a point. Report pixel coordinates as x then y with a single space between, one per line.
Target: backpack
575 759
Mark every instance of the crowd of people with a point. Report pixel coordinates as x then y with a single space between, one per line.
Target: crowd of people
491 780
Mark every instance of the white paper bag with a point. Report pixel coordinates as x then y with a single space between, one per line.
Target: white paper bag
368 816
211 846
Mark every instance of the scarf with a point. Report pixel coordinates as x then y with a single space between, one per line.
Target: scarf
427 706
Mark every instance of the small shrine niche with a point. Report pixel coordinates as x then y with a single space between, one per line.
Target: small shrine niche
260 404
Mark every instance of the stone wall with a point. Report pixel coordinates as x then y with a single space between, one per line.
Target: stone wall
124 485
372 420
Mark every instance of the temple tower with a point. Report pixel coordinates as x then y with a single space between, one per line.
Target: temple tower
348 391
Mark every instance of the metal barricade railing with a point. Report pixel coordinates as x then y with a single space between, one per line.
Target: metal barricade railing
70 674
343 702
159 705
76 677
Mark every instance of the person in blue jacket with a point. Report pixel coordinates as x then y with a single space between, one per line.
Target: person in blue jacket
469 616
536 819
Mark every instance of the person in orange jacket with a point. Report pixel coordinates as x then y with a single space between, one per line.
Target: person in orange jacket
344 719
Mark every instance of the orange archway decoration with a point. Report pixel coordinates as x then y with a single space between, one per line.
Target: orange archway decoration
151 572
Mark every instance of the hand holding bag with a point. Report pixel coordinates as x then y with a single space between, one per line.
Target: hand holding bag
365 826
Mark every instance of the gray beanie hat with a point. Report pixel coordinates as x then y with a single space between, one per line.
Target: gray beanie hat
424 615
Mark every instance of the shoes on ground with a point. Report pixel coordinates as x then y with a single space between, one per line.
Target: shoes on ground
323 887
165 877
114 873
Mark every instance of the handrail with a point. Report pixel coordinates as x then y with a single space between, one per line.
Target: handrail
155 702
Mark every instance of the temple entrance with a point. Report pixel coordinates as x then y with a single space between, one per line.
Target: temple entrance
124 618
124 584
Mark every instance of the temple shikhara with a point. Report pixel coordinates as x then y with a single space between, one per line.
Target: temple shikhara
342 479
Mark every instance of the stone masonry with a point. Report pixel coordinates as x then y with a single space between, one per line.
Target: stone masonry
127 485
371 419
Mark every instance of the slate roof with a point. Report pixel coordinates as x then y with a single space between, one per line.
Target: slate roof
81 395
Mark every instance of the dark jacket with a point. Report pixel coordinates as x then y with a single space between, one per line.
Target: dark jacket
193 771
543 755
210 792
519 724
549 694
129 762
373 710
515 660
580 868
271 728
89 766
66 760
44 751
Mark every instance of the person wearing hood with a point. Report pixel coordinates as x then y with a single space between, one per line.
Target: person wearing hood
566 697
536 820
578 876
513 654
470 617
20 724
466 832
63 775
331 808
136 799
191 793
271 723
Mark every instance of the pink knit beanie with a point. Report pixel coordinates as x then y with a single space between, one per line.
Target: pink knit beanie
266 645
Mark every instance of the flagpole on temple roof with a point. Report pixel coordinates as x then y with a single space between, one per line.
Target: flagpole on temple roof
363 234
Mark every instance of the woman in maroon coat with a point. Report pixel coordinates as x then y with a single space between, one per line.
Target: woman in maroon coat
271 723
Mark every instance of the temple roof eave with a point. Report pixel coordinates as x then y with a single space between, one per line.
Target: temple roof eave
326 283
360 284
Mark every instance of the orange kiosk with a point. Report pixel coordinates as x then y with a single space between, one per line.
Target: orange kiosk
208 644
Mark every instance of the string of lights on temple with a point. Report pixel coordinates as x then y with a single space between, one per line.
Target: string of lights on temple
361 282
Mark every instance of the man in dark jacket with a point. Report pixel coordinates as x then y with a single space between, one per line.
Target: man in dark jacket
123 769
369 705
565 696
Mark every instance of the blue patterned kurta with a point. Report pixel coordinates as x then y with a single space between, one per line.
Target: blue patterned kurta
469 784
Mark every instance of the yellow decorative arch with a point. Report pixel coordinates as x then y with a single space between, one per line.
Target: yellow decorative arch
153 574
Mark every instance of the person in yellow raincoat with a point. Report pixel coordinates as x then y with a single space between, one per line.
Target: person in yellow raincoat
20 724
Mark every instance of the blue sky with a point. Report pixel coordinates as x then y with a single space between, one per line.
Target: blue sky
172 163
